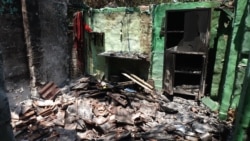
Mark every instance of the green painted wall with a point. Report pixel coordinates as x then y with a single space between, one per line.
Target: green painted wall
221 29
158 43
225 42
135 26
232 60
240 74
242 124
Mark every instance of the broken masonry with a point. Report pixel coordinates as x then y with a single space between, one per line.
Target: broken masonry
90 109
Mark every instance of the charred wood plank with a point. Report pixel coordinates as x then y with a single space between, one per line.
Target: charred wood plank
142 81
49 91
22 123
27 115
45 112
119 98
86 91
94 94
80 86
126 83
137 82
137 95
45 88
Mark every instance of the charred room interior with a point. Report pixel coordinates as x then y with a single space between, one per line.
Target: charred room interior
109 70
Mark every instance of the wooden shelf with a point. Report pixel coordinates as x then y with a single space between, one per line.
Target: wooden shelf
178 91
187 72
175 31
189 52
131 56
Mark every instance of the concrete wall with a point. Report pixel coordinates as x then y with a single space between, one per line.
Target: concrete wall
13 66
5 127
12 44
55 63
48 29
49 41
13 52
13 47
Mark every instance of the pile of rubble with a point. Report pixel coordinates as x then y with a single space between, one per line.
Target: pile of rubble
96 110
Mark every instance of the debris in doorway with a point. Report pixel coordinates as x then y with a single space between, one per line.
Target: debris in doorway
121 112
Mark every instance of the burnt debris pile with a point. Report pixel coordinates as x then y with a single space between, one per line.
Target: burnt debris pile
89 109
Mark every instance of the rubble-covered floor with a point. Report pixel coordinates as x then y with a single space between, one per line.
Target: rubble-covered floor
88 109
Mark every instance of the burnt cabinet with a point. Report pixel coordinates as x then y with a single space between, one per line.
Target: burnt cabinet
186 46
189 73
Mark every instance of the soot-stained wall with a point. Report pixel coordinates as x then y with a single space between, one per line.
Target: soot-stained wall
125 30
12 46
48 29
47 22
13 52
55 64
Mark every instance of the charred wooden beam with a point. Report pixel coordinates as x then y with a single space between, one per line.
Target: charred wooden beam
137 95
119 98
27 115
29 48
137 82
142 81
49 91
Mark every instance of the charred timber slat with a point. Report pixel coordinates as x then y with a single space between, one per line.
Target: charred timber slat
45 112
54 93
126 83
27 115
22 123
87 92
46 87
118 97
48 93
141 97
94 94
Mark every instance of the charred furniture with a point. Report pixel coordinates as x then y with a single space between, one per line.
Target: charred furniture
186 48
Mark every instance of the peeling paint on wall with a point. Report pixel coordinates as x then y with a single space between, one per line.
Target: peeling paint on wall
125 30
232 58
221 40
242 122
121 29
158 42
